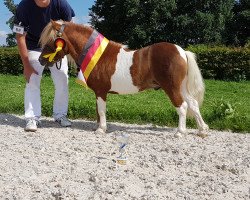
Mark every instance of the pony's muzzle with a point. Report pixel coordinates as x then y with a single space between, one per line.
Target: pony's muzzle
42 61
45 62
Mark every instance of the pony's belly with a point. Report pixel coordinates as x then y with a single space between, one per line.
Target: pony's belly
121 80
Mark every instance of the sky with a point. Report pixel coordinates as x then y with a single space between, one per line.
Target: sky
81 8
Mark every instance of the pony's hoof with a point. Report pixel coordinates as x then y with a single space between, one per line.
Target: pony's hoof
206 127
204 132
178 135
100 131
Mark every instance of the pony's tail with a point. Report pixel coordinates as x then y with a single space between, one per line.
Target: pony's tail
195 84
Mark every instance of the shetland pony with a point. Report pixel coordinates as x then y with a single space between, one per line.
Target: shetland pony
123 71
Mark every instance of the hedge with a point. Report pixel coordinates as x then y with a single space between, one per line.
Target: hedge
11 63
221 63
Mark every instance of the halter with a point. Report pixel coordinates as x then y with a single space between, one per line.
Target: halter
60 43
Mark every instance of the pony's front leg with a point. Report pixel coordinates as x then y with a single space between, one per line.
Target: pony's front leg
182 112
101 114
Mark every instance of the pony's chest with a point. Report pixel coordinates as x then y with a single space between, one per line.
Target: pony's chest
121 80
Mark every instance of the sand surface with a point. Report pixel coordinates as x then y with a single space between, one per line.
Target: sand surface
75 163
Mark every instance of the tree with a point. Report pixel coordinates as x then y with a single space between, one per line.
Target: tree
201 21
142 22
10 40
238 30
134 22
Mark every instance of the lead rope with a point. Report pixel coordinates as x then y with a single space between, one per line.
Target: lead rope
60 64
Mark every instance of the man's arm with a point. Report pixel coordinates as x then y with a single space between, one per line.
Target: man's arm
23 51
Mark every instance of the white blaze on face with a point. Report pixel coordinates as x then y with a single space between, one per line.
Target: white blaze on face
182 52
121 80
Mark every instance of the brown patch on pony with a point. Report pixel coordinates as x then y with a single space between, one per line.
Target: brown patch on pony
170 69
152 68
74 46
141 71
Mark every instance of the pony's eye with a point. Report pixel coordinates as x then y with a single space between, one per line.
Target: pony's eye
59 42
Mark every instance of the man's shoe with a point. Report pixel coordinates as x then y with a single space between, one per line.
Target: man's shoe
31 125
63 121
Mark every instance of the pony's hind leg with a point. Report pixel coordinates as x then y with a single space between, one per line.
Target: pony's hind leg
181 108
193 106
101 114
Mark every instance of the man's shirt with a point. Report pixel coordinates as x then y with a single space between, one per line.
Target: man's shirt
34 18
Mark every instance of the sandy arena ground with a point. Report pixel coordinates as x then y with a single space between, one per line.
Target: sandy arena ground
77 164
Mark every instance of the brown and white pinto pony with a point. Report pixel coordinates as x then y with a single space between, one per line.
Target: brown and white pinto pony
122 71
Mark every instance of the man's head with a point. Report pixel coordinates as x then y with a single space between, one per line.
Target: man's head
42 3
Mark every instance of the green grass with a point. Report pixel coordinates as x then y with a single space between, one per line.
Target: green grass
226 105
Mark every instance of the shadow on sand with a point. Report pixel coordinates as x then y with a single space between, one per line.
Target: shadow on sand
81 124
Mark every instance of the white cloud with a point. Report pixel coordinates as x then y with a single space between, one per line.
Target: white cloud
3 34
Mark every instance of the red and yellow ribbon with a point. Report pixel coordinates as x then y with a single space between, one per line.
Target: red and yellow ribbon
91 58
59 43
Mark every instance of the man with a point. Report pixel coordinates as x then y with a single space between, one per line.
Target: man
30 19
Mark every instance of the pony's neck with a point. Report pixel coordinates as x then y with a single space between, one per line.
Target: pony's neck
77 36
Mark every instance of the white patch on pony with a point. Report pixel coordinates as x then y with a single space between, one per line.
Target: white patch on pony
182 52
121 80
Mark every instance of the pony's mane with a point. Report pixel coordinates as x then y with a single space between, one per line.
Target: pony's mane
48 34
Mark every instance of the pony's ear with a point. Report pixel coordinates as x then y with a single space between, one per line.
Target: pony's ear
55 25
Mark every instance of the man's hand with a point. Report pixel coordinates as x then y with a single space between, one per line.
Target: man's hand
23 51
28 71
